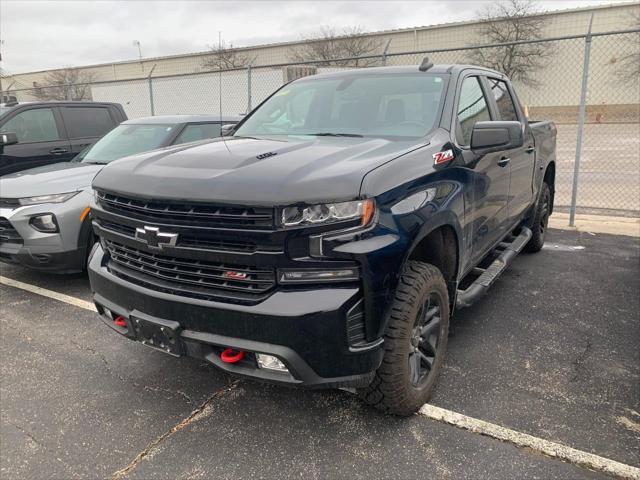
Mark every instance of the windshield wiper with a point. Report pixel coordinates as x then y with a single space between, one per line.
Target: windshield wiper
331 134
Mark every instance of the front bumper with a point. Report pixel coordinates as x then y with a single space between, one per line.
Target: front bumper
61 252
43 258
304 328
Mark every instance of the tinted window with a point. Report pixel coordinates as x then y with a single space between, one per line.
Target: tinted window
37 125
202 131
506 108
472 108
126 140
85 122
390 105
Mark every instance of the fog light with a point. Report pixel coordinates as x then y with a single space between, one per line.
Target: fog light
269 362
309 276
46 223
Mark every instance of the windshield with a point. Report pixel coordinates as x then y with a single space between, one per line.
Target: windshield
125 140
376 105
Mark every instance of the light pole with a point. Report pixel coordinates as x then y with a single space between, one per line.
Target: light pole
1 92
136 43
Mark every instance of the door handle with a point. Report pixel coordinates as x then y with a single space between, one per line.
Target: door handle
530 149
58 151
504 161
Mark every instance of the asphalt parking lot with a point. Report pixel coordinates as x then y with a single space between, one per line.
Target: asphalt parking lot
551 352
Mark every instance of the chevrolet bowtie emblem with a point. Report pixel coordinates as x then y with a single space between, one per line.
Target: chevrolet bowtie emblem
154 238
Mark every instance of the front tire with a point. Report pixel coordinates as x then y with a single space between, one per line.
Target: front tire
540 221
415 342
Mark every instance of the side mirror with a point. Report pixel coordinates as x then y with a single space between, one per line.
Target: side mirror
227 129
489 137
8 139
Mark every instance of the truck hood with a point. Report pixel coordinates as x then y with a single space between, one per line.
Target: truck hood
49 179
258 171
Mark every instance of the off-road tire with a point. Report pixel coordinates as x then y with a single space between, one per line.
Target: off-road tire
540 221
392 390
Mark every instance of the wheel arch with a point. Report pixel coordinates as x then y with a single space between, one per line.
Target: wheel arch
439 245
86 236
550 179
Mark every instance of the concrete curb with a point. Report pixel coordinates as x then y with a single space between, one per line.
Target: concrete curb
597 224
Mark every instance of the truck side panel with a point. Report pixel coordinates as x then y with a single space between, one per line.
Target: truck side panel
544 134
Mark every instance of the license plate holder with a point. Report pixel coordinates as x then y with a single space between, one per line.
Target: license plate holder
159 334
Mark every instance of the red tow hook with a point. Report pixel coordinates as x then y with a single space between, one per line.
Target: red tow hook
229 355
119 321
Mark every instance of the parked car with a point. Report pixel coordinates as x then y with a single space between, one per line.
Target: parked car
328 240
41 133
45 222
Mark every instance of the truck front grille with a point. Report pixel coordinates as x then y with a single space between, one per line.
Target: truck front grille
190 277
8 234
199 241
187 214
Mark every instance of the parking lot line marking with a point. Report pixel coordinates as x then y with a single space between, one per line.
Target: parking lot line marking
523 440
76 302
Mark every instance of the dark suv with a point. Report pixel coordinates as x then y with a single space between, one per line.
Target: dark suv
51 132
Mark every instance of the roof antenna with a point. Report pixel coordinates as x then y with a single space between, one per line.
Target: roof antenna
425 65
224 140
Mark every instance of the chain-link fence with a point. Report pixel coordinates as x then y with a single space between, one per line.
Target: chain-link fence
598 72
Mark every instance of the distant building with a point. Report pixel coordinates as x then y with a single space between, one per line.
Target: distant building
559 82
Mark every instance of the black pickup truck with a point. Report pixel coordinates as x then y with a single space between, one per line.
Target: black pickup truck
327 241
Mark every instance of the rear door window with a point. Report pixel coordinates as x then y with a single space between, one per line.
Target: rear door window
506 107
472 108
84 122
200 131
35 125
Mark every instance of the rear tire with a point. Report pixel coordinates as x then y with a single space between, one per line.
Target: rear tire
540 221
415 342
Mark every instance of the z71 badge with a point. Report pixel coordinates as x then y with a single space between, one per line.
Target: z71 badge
442 157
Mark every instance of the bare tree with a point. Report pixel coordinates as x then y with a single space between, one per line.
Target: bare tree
65 84
223 57
630 63
330 46
513 21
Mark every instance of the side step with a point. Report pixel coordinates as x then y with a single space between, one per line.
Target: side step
479 287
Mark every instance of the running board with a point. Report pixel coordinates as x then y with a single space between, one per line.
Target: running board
479 287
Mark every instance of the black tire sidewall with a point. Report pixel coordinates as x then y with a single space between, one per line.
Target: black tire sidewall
423 390
536 242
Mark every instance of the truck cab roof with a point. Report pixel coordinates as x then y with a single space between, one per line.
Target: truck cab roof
440 69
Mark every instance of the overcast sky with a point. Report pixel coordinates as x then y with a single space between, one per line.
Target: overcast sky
41 34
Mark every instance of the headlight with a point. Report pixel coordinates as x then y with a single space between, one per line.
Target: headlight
57 198
315 276
329 213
